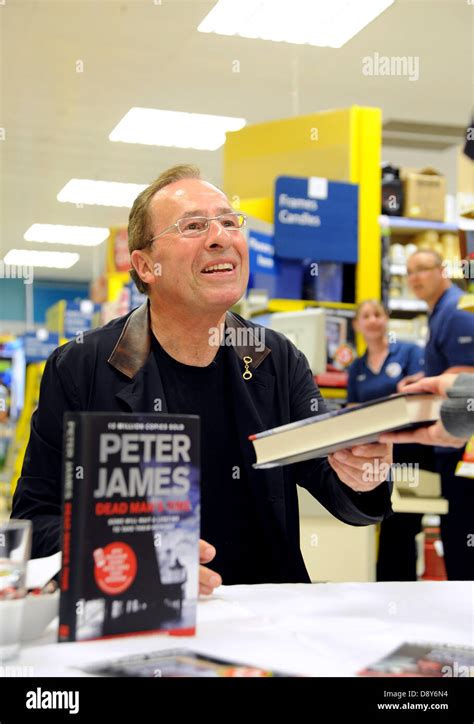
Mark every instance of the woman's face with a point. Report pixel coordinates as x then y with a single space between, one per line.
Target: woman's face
371 322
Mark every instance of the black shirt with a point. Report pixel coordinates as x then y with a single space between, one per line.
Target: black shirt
228 517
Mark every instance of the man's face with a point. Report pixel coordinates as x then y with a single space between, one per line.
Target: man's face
181 261
425 276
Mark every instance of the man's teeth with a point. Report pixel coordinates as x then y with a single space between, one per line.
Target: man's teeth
218 267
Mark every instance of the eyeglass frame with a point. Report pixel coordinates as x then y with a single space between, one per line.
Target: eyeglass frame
425 269
208 219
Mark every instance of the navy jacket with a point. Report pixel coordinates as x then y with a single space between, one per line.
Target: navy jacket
114 370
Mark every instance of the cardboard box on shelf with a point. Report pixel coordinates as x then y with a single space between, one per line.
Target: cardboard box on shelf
424 194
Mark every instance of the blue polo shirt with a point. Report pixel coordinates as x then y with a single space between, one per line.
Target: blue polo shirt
451 335
404 358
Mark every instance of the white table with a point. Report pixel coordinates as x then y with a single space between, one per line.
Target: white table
332 629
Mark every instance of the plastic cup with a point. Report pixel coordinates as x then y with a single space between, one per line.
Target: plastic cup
15 549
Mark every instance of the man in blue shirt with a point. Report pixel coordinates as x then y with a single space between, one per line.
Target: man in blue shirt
450 348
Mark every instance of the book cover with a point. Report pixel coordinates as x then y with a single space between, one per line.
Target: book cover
131 524
425 659
177 663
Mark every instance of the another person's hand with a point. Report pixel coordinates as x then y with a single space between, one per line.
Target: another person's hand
437 385
363 467
431 435
208 580
409 380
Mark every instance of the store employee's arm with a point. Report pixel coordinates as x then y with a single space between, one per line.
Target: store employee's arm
457 342
352 484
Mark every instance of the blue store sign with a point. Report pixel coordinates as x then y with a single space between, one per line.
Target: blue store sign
39 345
316 218
261 253
262 263
78 317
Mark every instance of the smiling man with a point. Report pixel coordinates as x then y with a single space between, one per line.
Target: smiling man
190 257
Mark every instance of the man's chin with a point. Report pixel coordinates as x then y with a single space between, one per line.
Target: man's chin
223 298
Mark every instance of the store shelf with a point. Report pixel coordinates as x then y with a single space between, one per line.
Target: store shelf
403 225
398 269
333 393
407 305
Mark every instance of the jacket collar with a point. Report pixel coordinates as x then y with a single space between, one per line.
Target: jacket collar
134 344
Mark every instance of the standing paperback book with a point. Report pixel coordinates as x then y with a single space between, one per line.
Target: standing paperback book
130 536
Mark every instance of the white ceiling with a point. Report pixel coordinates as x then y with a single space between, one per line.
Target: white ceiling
143 53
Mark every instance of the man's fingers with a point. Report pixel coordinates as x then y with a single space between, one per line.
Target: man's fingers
206 551
209 578
351 477
419 436
372 450
363 463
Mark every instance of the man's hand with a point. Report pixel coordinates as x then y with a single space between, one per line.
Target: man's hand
363 467
409 380
208 580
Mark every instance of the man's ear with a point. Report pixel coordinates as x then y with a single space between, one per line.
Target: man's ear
143 266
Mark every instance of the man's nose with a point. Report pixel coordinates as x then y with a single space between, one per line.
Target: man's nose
218 234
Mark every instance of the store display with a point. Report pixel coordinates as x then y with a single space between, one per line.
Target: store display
130 524
424 194
325 434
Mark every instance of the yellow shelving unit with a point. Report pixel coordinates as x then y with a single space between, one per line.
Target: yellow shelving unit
341 145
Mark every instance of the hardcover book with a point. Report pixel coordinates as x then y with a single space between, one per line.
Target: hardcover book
131 525
321 435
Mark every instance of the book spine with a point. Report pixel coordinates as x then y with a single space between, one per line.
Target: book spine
70 523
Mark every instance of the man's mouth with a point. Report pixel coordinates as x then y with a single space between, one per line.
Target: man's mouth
223 268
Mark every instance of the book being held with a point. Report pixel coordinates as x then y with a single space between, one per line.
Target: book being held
319 436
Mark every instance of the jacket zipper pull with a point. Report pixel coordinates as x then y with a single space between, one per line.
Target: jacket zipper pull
247 375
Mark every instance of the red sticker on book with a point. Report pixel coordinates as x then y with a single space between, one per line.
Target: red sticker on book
115 567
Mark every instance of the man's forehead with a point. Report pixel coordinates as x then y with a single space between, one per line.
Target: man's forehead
187 194
421 257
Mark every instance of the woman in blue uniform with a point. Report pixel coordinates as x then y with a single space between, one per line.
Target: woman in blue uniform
376 374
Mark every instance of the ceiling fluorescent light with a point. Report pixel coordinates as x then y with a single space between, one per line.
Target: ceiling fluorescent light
50 259
75 235
310 22
153 127
99 193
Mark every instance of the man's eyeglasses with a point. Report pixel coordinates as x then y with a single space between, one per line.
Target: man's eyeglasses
421 270
197 225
